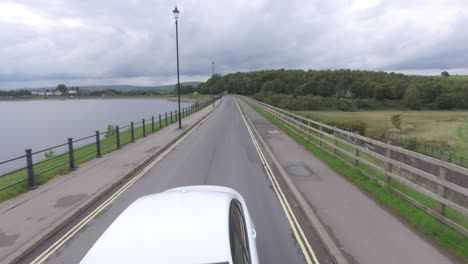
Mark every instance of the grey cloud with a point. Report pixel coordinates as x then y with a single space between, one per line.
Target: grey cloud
108 41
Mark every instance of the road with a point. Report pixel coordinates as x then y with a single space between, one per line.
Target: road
219 152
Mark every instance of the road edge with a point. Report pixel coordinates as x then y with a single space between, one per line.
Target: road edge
313 219
47 233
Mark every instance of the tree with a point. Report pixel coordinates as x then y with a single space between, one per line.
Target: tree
445 74
274 86
445 101
396 121
412 98
62 88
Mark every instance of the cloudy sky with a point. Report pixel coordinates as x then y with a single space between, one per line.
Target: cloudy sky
89 42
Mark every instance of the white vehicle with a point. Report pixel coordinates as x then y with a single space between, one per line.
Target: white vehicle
194 224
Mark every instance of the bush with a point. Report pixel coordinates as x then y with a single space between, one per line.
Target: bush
396 121
49 154
411 144
110 131
353 126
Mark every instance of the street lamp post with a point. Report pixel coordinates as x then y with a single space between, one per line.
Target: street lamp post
213 89
176 17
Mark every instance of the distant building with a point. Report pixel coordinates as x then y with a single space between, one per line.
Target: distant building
38 93
71 92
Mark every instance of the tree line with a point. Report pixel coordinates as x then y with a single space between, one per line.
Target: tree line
342 89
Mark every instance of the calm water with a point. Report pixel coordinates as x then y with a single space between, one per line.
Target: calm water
41 124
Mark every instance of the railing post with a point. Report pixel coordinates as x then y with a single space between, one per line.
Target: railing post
31 176
442 190
117 136
335 142
144 127
160 122
388 165
320 135
132 131
98 145
166 119
171 118
356 151
175 113
71 155
152 124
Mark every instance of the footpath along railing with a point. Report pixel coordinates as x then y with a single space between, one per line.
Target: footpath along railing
392 166
33 169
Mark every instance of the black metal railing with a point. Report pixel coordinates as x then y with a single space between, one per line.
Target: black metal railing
77 151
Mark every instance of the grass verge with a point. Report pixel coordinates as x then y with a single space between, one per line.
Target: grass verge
421 221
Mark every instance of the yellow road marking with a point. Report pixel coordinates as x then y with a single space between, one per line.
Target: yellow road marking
295 226
59 243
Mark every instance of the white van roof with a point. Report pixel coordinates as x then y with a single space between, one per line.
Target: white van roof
181 225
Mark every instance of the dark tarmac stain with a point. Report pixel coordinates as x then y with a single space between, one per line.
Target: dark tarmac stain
7 240
153 149
29 219
41 219
301 170
69 200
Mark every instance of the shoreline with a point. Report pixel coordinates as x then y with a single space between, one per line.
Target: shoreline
61 98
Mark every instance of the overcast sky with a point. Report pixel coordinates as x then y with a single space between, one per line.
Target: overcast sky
87 42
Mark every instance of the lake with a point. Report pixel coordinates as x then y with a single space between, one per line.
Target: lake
45 123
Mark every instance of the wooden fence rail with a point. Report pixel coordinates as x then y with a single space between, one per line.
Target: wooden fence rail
359 152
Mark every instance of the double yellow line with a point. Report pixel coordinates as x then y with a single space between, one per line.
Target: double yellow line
62 240
307 250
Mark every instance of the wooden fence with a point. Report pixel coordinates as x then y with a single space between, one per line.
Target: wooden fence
389 165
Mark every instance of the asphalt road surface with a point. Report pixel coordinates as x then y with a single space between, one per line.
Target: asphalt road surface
219 152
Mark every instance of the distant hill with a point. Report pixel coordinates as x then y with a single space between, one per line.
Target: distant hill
160 88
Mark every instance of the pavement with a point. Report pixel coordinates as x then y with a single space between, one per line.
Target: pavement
364 231
29 218
218 152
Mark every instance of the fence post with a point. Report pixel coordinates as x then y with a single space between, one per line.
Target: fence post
442 190
450 157
117 136
71 155
171 118
152 124
356 151
132 131
31 176
144 127
166 118
98 145
160 122
335 142
175 115
388 165
320 135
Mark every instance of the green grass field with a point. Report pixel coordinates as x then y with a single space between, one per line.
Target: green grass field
439 128
460 78
425 223
59 163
